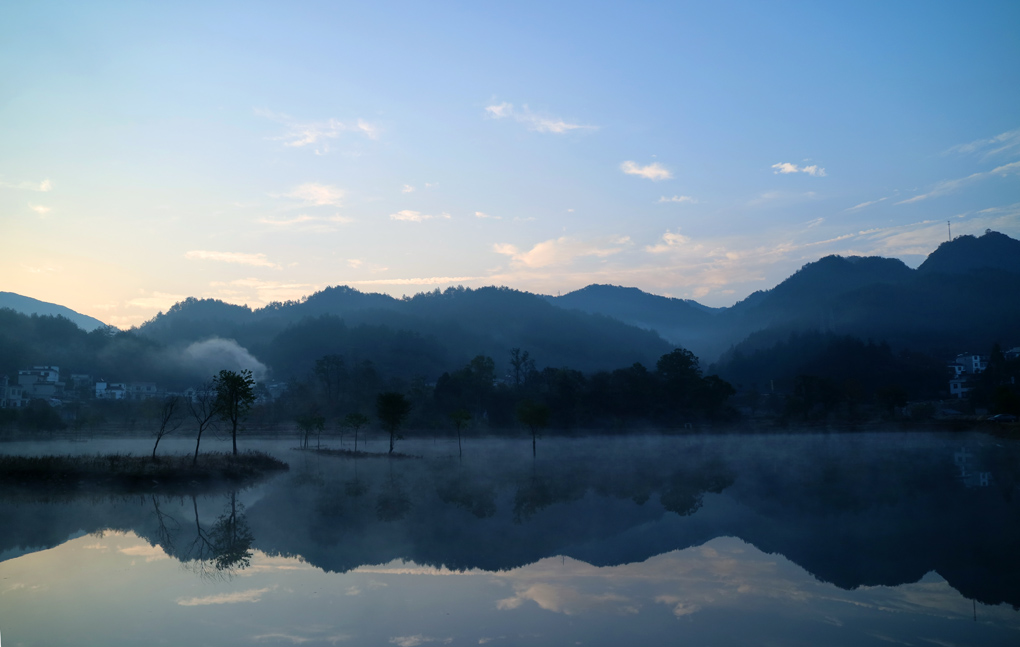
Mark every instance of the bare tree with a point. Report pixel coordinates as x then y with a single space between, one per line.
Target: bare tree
168 415
460 417
354 421
204 407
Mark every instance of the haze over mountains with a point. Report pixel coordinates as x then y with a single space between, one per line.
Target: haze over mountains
963 297
30 306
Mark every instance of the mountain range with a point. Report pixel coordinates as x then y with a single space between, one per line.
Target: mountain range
963 297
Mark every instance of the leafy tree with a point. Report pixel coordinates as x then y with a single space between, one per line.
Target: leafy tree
535 416
235 396
232 538
521 366
392 409
460 417
330 369
355 421
681 378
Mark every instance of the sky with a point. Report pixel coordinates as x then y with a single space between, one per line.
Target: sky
257 152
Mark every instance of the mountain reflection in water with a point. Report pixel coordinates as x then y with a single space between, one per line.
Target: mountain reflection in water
625 531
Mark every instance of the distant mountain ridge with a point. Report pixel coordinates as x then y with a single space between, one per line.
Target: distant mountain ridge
966 295
440 330
30 306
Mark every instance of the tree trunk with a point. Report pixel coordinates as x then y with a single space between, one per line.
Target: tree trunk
391 440
198 440
234 434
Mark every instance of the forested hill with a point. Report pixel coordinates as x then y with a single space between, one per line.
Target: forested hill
30 306
421 335
965 295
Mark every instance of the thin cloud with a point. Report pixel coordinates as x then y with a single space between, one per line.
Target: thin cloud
866 204
407 188
653 171
408 215
785 168
1007 142
418 639
949 186
428 280
251 595
677 198
534 121
559 251
480 214
304 220
769 197
258 260
309 133
39 209
157 301
670 242
257 291
314 194
41 187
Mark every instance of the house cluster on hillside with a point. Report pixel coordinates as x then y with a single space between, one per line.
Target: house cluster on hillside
967 366
44 383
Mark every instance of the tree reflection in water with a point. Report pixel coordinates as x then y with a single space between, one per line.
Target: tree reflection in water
217 553
853 510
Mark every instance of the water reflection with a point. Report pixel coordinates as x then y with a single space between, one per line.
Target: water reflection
683 528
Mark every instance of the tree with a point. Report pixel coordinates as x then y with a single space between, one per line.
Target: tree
330 370
169 419
203 407
392 408
355 421
681 377
311 423
521 366
460 417
536 416
235 395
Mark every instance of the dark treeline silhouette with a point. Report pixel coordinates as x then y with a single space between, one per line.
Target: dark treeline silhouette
819 374
672 393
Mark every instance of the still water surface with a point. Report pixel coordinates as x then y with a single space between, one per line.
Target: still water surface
812 540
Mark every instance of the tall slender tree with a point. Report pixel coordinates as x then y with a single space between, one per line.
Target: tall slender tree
235 395
392 409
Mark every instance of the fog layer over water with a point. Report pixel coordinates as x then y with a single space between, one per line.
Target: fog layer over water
829 539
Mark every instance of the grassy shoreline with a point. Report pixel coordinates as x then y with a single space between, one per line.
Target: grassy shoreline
126 473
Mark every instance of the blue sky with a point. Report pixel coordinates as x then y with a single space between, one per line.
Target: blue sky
255 152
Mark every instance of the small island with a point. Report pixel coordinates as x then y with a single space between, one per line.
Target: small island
128 474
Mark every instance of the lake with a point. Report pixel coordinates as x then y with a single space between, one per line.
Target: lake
841 539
